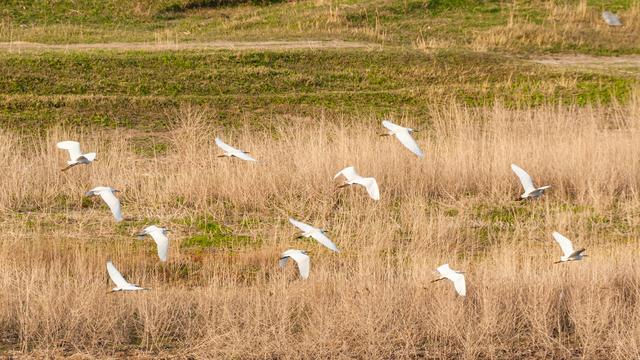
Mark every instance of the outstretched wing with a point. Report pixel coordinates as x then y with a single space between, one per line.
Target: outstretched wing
349 173
304 264
525 179
611 19
73 147
112 201
565 244
455 277
222 145
324 240
444 270
459 284
407 140
116 276
391 126
302 226
372 187
233 151
244 156
162 242
89 156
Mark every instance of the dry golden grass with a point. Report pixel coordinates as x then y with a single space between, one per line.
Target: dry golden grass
373 300
565 27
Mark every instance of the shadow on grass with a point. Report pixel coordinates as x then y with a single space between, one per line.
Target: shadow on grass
178 9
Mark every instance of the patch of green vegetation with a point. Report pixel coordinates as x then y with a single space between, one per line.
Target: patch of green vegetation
451 212
508 215
138 89
149 146
212 234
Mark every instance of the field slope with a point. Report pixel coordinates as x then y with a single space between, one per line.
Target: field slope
303 86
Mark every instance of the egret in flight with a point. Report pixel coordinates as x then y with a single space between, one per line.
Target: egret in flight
318 234
404 136
530 191
351 177
76 157
230 151
456 277
300 257
159 235
611 19
569 254
108 195
118 279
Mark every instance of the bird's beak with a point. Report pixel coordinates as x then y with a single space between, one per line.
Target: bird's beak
116 190
343 186
385 134
436 280
220 155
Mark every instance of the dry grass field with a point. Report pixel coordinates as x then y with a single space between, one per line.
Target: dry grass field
221 293
149 84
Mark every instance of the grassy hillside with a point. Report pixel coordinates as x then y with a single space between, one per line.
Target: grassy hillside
518 26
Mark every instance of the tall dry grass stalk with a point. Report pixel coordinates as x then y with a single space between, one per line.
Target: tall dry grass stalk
372 300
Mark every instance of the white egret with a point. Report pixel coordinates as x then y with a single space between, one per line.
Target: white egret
530 191
159 235
300 257
456 277
118 279
230 151
404 136
351 177
76 157
569 254
611 19
108 195
318 234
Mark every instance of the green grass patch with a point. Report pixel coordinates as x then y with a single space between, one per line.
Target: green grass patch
139 89
211 234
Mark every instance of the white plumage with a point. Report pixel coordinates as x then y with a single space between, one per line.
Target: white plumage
108 195
159 235
313 232
300 257
118 279
456 277
76 157
530 191
404 136
352 177
568 252
230 151
611 19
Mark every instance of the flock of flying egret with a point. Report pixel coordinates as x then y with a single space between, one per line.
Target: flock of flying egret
351 177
